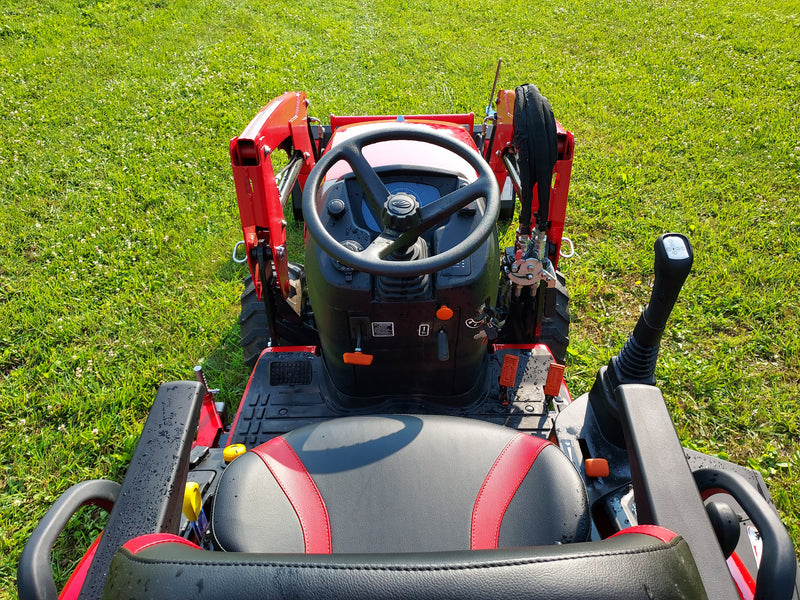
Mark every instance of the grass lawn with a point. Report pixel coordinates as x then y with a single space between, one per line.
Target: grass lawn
118 210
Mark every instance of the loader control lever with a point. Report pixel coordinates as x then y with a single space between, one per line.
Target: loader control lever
673 261
636 362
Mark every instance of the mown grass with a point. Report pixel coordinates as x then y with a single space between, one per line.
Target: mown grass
118 212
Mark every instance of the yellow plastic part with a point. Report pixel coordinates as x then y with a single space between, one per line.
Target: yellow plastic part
232 451
192 501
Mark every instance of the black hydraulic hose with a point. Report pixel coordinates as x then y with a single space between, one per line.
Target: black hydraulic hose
288 177
314 149
535 138
490 146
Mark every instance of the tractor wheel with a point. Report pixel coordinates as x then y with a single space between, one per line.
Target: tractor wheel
507 208
297 203
253 321
555 330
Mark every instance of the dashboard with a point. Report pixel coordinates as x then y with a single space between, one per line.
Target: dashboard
425 187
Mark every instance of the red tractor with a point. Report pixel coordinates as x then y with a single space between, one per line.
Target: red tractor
406 431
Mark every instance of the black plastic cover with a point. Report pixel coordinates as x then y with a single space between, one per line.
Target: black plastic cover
35 575
663 484
778 570
152 494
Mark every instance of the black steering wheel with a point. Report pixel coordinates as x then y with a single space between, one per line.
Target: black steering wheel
402 217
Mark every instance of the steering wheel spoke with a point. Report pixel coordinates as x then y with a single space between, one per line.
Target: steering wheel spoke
441 209
371 183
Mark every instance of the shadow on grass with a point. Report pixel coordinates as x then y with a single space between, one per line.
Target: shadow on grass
224 366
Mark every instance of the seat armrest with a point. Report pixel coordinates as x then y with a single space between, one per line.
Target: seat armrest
663 485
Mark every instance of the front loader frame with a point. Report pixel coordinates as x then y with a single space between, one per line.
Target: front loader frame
262 193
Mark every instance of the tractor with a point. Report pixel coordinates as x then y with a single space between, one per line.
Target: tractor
406 430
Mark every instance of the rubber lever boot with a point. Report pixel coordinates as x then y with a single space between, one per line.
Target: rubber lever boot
636 362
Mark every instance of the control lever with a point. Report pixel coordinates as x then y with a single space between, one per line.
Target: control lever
442 346
636 362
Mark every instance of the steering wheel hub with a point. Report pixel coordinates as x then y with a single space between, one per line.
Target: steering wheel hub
401 212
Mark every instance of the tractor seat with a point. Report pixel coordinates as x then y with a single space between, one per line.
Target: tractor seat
398 484
407 507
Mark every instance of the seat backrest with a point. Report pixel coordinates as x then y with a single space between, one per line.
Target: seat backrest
627 567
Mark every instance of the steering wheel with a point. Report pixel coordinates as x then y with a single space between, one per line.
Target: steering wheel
401 215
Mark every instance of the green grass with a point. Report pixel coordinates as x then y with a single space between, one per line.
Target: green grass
118 211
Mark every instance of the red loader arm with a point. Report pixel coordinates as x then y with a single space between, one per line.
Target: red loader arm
280 125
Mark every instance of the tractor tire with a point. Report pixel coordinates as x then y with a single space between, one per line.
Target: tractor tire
554 331
507 208
255 332
297 203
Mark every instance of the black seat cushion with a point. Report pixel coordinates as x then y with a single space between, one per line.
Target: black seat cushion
387 484
633 566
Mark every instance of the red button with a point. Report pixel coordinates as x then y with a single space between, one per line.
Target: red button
444 313
596 467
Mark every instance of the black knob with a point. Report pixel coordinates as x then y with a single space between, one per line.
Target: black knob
442 346
673 262
336 208
725 522
401 212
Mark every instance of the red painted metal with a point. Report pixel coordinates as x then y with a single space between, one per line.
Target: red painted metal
282 124
466 120
271 349
72 589
502 135
499 347
745 584
210 426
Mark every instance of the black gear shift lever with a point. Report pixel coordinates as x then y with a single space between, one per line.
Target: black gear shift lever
636 362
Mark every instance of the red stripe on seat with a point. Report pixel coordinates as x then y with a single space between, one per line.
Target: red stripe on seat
291 474
499 487
148 540
660 533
